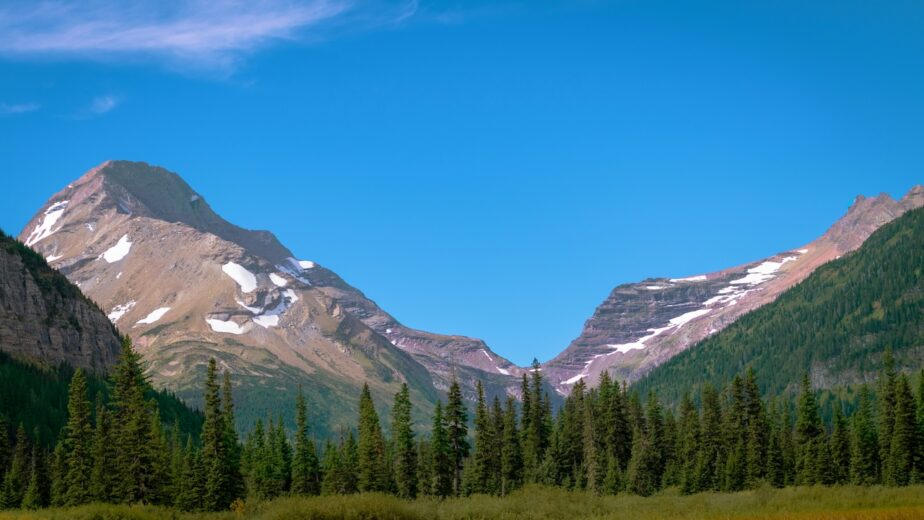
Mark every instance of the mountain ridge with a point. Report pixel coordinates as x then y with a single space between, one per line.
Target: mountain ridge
643 324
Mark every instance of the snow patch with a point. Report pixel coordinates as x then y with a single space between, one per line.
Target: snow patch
228 327
290 294
700 278
656 287
306 264
387 331
485 352
155 316
52 258
277 280
194 198
762 273
119 310
683 319
573 380
118 251
293 268
244 278
803 251
119 275
45 229
677 322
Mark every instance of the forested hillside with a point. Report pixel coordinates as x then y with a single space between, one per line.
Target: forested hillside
836 324
36 397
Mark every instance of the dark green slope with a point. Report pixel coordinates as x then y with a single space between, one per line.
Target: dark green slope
835 324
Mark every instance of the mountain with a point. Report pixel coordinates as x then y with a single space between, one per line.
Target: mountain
187 285
642 325
836 324
44 318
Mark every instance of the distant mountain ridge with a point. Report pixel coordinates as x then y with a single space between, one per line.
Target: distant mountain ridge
835 325
188 285
642 325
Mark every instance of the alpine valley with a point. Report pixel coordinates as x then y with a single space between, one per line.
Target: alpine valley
187 286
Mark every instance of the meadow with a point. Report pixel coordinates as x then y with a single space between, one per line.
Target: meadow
801 503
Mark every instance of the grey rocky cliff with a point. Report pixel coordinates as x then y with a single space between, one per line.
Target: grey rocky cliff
44 319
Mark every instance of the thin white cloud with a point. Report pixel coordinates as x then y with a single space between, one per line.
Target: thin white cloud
213 33
103 104
19 108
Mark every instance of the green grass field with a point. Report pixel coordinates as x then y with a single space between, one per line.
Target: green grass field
851 503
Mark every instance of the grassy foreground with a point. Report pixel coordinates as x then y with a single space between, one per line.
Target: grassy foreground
817 503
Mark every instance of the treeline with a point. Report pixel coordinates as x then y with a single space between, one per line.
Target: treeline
607 440
36 397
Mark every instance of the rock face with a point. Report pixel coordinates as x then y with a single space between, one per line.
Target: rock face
642 325
187 285
45 319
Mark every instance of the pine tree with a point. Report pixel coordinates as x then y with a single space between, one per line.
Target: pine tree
213 451
809 433
5 452
78 442
158 455
457 434
177 463
776 471
483 458
443 469
135 474
757 431
840 447
372 473
235 480
192 491
330 466
404 447
257 462
17 477
710 441
497 443
101 474
511 454
349 460
903 446
36 496
689 445
640 478
279 459
425 474
864 445
305 471
59 472
885 410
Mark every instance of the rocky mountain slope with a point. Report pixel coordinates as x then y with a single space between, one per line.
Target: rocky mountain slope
835 324
45 319
187 285
642 325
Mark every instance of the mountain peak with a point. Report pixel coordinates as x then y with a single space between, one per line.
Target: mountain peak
915 196
144 190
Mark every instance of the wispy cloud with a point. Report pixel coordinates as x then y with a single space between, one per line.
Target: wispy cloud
19 108
212 33
103 104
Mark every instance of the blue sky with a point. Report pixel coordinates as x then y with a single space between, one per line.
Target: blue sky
489 169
